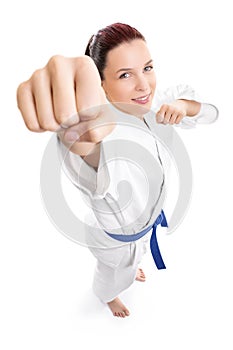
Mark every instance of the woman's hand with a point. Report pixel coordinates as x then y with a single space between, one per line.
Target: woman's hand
173 113
66 96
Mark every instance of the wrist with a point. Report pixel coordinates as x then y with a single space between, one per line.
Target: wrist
190 107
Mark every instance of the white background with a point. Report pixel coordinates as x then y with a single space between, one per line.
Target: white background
46 300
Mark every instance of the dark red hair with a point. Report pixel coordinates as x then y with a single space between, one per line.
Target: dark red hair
107 39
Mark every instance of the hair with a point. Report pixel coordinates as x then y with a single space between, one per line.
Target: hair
107 39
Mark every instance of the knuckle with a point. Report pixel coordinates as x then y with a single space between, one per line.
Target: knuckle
171 108
55 63
165 106
37 76
83 61
82 64
22 88
32 127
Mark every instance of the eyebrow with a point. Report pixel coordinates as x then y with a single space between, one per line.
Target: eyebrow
126 69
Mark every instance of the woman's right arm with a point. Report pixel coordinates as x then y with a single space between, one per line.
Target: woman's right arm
66 96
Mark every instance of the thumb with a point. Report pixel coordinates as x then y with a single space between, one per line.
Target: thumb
160 115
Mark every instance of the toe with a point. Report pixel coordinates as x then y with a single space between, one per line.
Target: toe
126 312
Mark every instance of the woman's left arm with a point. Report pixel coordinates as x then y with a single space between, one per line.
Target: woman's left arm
174 112
180 106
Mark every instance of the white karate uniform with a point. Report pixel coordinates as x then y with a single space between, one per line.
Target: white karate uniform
126 195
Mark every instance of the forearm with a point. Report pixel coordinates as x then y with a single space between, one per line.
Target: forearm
191 108
93 157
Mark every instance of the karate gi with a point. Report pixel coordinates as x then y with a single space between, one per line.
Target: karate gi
124 198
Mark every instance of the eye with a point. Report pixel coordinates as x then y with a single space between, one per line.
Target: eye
124 76
148 68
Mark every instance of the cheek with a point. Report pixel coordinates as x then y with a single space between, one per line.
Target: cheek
118 91
121 91
153 81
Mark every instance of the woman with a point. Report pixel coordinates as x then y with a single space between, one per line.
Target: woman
65 94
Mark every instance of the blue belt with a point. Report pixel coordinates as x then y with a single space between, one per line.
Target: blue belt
154 247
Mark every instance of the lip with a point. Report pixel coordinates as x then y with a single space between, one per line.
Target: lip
142 100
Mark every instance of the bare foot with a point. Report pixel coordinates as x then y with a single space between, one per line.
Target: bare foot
140 276
118 309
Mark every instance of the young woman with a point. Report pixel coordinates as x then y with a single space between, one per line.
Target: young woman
117 70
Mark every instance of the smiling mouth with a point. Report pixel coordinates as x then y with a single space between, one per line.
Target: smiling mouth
142 99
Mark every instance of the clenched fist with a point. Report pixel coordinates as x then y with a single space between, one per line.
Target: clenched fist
66 96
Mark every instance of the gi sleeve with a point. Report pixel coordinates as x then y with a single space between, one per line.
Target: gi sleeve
208 113
91 182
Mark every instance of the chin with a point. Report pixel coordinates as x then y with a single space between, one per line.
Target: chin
138 110
142 108
134 109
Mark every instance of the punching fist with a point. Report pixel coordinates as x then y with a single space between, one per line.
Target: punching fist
66 96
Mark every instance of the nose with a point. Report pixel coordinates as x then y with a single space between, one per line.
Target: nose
142 83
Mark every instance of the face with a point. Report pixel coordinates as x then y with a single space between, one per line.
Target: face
129 77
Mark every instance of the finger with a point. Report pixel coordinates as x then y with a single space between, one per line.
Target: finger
43 100
159 117
89 93
89 131
161 113
63 90
167 116
77 147
173 118
179 118
26 105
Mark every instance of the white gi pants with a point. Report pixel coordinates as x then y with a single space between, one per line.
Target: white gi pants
116 268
